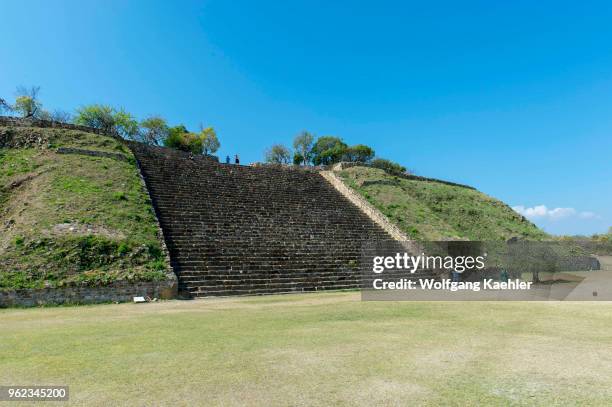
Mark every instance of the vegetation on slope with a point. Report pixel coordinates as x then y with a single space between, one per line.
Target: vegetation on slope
434 211
67 218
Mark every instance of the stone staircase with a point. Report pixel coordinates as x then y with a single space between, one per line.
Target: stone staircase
241 230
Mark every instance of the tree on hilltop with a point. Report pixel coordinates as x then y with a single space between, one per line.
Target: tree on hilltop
359 153
101 117
278 154
154 130
328 150
108 119
126 125
302 143
180 138
210 142
27 103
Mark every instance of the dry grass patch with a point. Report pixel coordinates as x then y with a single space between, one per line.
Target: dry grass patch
315 349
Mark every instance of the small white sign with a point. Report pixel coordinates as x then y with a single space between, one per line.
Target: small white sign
139 299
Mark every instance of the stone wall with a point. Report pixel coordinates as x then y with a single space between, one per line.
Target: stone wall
22 122
92 153
119 291
343 165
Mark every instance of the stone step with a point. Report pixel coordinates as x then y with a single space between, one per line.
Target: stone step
240 230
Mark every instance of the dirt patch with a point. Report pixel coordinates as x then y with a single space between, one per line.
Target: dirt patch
76 229
22 180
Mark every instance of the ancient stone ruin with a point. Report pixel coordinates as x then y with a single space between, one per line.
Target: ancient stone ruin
240 230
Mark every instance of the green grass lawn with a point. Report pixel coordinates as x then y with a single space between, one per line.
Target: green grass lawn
315 349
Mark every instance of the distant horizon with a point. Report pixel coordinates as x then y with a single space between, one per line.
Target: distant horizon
514 99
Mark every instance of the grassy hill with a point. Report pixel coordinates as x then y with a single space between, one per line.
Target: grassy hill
427 210
72 218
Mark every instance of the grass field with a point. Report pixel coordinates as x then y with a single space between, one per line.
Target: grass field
314 349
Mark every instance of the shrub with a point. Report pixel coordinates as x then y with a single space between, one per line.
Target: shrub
120 196
388 166
123 249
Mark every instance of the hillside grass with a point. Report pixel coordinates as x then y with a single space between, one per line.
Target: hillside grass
325 349
432 211
68 218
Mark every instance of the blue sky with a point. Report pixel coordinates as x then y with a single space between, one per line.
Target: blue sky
514 99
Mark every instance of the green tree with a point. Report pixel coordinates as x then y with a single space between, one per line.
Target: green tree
328 150
101 117
180 138
27 103
154 130
359 153
126 125
302 144
298 159
108 119
278 154
177 130
210 142
174 138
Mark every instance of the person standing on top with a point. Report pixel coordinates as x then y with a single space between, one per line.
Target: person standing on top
237 159
227 159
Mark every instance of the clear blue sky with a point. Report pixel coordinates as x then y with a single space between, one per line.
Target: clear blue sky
514 98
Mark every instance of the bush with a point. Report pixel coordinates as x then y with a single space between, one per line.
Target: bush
180 138
388 166
120 196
